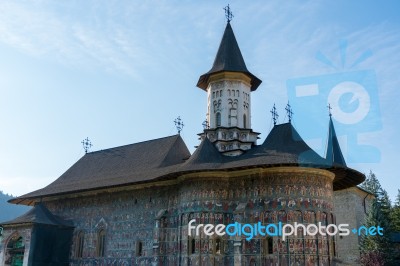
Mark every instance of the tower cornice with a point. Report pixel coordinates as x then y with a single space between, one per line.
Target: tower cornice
226 75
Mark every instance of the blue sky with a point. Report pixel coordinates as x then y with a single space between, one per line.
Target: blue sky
120 72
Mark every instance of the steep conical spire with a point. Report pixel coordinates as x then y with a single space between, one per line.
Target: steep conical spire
228 58
333 152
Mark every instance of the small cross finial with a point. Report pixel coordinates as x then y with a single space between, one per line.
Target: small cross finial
228 13
289 112
87 144
179 124
205 124
274 114
329 109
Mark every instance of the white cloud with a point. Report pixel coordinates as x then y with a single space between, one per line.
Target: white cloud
42 32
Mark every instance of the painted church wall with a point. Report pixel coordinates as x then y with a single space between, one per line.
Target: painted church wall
149 226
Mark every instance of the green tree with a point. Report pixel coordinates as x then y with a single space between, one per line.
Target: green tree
395 214
371 183
377 249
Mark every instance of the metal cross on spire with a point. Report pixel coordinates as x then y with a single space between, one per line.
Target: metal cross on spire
329 109
179 124
289 112
87 144
228 13
274 114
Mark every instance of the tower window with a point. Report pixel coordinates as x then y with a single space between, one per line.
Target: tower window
218 119
101 243
244 121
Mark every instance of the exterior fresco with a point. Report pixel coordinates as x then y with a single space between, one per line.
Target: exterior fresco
149 226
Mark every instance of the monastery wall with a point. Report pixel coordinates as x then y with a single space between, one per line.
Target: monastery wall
149 226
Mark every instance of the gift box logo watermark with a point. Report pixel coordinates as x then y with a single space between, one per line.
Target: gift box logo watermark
354 101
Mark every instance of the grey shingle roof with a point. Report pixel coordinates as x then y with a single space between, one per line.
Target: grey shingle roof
228 58
206 156
167 158
285 145
119 166
39 214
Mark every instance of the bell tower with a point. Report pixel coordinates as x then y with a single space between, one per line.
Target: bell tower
229 85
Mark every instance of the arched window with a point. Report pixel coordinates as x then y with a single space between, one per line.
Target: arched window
218 119
101 243
15 250
244 121
79 245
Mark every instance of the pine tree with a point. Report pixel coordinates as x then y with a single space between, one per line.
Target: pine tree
395 215
377 249
395 218
371 183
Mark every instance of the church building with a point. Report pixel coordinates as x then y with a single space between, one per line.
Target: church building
131 205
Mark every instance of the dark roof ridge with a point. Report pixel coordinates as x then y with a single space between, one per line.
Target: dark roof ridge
178 147
132 144
205 152
205 156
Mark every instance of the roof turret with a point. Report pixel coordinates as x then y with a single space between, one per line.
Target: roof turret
230 59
